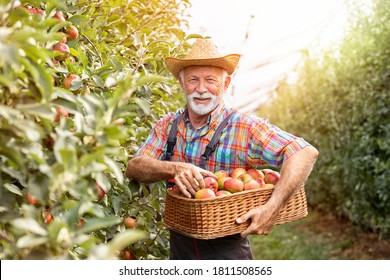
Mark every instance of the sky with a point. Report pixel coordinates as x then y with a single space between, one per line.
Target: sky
269 35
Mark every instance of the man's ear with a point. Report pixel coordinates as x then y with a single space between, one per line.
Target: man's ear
227 82
181 79
181 82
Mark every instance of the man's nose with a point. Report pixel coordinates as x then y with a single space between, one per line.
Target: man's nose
201 88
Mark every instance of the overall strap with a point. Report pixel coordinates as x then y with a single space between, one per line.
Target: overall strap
214 141
171 141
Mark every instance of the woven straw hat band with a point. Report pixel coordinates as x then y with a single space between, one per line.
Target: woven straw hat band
203 52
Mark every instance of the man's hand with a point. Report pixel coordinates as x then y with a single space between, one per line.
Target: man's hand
262 219
295 171
189 178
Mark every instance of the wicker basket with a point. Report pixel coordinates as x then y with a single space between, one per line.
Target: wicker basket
215 217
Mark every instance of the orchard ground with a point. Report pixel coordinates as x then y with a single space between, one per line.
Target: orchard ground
320 236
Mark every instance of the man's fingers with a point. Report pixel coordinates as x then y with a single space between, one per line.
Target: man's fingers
198 179
246 232
243 218
189 178
190 185
257 225
197 186
207 173
183 189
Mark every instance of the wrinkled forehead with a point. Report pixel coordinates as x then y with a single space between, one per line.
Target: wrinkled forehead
203 70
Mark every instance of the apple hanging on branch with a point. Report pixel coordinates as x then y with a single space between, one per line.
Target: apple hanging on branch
71 32
69 80
64 49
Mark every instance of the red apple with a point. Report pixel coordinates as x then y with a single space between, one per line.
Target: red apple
222 193
255 173
51 141
35 11
211 183
221 173
32 200
237 172
234 185
204 193
266 170
64 49
72 32
61 113
245 178
271 177
175 189
127 254
101 192
268 186
59 16
64 39
119 122
80 224
68 80
251 185
71 60
129 222
222 181
261 181
48 218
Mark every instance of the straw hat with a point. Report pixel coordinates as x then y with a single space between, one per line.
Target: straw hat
203 52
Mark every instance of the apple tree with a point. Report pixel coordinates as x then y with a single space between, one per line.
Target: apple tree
81 82
341 104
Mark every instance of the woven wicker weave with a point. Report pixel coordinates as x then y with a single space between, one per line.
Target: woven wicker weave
215 217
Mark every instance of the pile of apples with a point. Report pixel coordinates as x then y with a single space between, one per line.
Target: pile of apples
239 180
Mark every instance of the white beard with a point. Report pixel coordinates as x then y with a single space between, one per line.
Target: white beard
202 109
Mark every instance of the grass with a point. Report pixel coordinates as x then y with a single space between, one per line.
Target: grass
318 237
288 242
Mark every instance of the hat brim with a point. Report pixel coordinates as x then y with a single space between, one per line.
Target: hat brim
228 62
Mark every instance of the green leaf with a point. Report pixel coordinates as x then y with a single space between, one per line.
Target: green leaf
29 225
126 190
115 169
122 27
42 80
113 132
150 79
12 154
83 57
66 156
29 241
193 36
143 104
12 188
125 238
99 223
36 109
79 20
98 80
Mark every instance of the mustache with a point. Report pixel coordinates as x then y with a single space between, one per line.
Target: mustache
205 95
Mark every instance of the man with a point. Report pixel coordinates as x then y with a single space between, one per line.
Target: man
246 141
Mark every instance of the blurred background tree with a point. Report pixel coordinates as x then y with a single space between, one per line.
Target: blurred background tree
341 104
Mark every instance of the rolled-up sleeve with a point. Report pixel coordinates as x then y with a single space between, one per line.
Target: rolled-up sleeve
272 144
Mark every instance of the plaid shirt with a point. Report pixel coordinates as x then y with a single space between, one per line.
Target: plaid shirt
247 141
